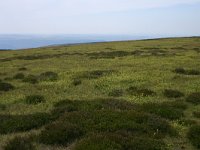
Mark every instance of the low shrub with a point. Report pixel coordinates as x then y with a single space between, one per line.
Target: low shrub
31 79
172 93
193 135
145 143
194 98
76 82
34 99
19 76
22 123
100 142
107 55
180 70
2 107
95 74
116 93
111 141
172 111
187 122
187 72
48 76
60 133
6 86
196 114
92 105
8 79
116 104
133 122
22 69
140 91
19 143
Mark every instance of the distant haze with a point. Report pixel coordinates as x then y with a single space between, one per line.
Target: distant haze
32 41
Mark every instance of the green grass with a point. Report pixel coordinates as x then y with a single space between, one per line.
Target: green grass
116 95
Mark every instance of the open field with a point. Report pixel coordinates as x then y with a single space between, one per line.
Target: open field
134 95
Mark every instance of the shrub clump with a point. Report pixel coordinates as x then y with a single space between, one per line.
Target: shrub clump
117 142
170 111
19 143
196 114
2 107
19 76
17 123
100 142
194 98
76 82
34 99
95 74
116 93
22 69
48 76
193 135
6 86
60 133
172 93
31 79
140 91
187 72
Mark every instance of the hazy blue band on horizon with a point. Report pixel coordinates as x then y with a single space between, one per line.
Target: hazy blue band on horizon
33 41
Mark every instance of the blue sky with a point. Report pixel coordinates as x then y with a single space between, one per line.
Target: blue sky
136 17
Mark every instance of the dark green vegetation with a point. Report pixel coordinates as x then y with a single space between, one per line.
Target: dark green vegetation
196 114
17 123
48 76
6 86
19 143
34 99
135 95
31 79
187 72
173 93
61 133
140 91
193 135
19 76
194 98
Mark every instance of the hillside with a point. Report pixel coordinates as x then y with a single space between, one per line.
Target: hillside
134 95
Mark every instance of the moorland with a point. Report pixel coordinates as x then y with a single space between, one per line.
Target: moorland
131 95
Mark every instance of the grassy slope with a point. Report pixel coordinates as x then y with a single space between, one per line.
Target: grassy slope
147 68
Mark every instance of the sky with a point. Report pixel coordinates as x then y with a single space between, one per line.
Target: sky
133 17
